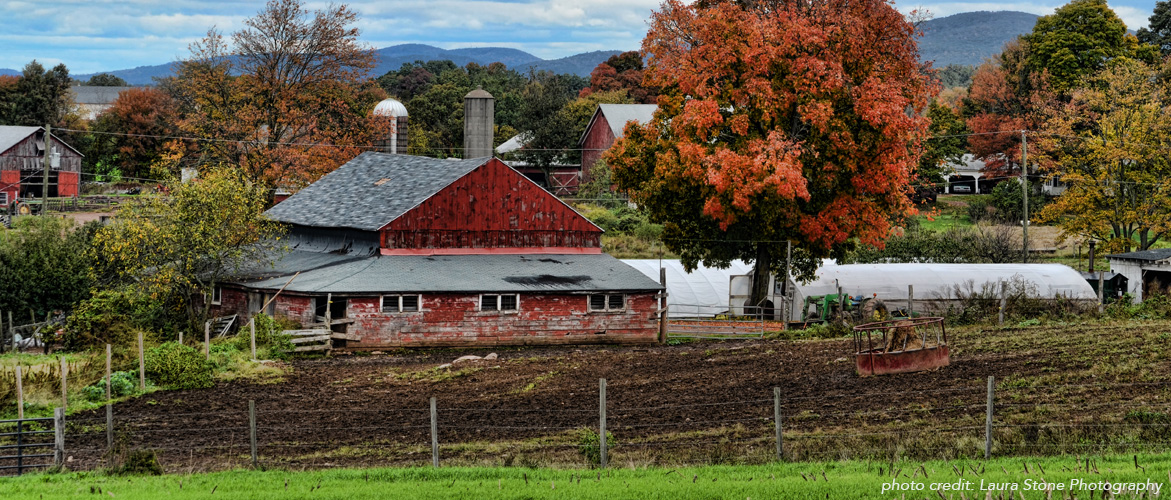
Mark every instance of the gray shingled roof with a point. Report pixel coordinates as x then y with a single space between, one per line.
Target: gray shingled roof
1146 255
96 94
357 196
618 114
10 135
341 274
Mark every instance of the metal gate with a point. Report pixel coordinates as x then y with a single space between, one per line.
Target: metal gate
31 443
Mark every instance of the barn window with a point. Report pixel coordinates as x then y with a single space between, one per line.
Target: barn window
217 294
607 302
400 303
3 199
509 302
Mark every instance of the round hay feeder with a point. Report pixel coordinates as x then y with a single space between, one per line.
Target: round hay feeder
900 346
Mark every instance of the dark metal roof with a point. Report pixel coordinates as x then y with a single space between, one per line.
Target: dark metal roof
371 190
541 273
1145 255
1106 276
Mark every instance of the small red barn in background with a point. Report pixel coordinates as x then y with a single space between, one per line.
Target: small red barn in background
22 157
605 127
410 251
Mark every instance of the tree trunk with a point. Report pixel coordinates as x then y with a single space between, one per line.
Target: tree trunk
760 281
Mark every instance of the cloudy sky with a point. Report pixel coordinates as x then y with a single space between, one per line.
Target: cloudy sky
100 35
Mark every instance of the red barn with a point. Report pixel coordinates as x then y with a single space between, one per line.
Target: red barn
413 251
605 127
22 162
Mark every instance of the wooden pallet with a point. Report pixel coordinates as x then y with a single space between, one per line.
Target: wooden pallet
311 340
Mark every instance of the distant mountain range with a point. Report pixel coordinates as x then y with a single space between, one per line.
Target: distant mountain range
971 37
966 38
392 58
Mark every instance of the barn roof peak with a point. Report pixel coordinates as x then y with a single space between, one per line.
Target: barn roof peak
371 190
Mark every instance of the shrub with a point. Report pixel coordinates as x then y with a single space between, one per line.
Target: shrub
177 366
140 462
270 342
115 317
590 446
121 384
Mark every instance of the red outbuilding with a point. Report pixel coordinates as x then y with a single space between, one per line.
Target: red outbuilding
606 126
403 250
22 165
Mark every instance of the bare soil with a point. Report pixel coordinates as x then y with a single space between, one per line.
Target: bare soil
374 409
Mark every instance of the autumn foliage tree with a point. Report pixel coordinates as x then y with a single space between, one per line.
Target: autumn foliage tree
131 134
177 247
1109 146
778 121
288 99
621 72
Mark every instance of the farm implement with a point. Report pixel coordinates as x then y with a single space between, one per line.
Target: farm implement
900 346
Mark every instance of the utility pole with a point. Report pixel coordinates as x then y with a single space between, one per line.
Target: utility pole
45 186
1025 193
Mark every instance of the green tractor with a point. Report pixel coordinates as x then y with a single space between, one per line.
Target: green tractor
856 309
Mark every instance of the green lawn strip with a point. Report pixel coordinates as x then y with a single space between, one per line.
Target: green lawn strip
850 479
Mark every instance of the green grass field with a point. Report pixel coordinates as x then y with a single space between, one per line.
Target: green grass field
851 479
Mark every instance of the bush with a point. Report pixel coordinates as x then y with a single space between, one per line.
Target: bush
590 446
114 317
141 463
121 384
177 366
270 342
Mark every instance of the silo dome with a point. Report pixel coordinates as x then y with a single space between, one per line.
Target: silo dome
391 108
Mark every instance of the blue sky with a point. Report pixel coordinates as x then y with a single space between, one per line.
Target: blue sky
101 35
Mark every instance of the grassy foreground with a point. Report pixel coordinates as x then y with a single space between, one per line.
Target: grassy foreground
852 479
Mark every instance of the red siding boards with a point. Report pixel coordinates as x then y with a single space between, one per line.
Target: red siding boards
9 185
491 208
454 320
598 139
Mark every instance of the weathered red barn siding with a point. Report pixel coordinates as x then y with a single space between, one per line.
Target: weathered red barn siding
597 140
24 159
10 183
68 183
453 320
491 207
235 301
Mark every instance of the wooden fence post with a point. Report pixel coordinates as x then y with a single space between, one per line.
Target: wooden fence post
910 301
3 332
59 437
252 334
434 435
252 430
777 419
19 393
207 339
602 422
109 407
1003 300
141 364
180 337
64 381
663 306
1101 292
988 420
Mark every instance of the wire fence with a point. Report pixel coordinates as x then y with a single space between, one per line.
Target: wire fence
947 423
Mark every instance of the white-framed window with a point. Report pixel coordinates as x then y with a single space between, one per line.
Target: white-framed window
3 199
503 302
401 303
607 302
217 295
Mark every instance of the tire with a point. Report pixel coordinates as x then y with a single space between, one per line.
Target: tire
23 209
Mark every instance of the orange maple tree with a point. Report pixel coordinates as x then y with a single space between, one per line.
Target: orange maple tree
778 121
288 99
138 124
